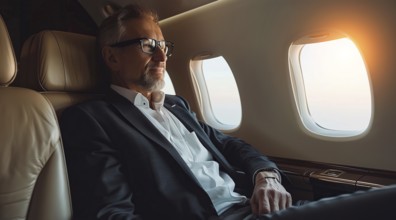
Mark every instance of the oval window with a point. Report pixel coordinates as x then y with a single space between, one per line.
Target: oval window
331 87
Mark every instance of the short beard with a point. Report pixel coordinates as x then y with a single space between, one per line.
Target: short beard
149 83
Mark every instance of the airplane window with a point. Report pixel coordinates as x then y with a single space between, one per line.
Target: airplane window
331 88
168 89
221 105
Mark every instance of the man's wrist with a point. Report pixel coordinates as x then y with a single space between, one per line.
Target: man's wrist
268 174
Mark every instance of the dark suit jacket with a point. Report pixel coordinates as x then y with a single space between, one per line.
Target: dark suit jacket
121 167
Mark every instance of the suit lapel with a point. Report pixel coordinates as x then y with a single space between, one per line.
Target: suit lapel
139 121
182 114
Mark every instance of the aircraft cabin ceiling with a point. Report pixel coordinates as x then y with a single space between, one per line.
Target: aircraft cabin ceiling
164 8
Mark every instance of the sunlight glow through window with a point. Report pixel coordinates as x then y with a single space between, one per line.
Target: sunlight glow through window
336 87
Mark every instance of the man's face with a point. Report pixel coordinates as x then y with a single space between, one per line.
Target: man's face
131 67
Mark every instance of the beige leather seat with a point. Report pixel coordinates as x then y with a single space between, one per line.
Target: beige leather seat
62 66
33 176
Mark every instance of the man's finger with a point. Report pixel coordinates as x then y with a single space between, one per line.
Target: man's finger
264 206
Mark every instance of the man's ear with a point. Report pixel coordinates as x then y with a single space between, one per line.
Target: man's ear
110 58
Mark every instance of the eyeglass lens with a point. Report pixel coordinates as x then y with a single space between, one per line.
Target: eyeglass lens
149 46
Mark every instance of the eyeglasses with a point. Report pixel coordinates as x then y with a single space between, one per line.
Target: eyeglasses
148 45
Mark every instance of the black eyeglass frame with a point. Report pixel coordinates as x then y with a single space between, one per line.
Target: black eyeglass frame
168 44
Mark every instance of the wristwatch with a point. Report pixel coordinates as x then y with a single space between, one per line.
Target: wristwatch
269 174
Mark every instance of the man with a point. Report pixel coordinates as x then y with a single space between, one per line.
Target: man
139 154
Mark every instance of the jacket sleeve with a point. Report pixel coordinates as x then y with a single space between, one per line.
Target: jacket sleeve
98 186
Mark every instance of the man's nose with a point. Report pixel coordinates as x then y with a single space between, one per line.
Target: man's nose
159 55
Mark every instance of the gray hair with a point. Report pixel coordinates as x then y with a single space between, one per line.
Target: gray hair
113 27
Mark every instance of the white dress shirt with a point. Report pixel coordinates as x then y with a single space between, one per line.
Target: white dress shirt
218 185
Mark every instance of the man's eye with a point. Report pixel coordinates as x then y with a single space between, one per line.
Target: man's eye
149 47
162 45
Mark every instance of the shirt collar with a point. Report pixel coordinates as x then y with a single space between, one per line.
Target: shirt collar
139 100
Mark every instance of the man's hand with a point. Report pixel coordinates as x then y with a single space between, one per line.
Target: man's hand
269 195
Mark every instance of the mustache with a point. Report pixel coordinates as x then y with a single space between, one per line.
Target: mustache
157 65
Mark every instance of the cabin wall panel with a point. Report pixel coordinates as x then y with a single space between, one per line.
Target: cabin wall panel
254 37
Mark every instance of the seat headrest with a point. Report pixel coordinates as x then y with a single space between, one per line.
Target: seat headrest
59 61
8 63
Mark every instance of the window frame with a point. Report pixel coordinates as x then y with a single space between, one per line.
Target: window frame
203 97
299 94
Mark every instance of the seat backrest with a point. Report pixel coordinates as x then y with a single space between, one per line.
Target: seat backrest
62 66
33 175
8 64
